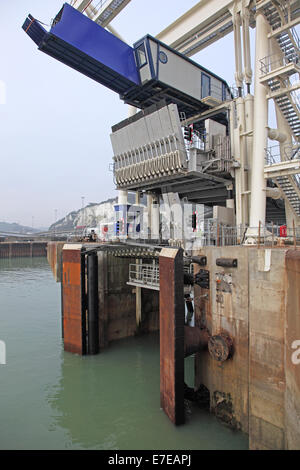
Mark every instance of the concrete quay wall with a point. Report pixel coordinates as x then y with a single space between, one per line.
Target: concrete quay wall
258 304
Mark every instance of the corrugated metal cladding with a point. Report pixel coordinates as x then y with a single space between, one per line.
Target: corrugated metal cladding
74 310
149 148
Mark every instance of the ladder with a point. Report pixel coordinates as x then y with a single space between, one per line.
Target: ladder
289 185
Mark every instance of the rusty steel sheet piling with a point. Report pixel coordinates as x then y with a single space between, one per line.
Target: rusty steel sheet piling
93 303
74 304
172 334
292 351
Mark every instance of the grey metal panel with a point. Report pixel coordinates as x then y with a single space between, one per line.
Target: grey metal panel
154 52
155 126
114 143
151 147
165 122
145 73
216 88
133 135
125 143
180 74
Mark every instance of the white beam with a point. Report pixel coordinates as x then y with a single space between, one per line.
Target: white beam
290 167
197 22
108 10
80 4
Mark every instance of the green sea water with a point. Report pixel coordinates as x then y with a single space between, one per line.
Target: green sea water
51 399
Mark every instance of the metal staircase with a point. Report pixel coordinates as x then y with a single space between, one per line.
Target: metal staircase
285 173
279 16
288 184
276 73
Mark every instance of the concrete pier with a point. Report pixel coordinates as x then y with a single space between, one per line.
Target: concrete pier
257 304
246 299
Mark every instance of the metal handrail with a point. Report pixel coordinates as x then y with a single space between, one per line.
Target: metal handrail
273 153
272 62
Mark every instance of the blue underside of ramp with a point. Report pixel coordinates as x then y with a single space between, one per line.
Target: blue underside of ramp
85 46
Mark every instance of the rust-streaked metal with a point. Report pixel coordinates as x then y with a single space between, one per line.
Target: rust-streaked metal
195 340
172 334
292 366
74 309
220 347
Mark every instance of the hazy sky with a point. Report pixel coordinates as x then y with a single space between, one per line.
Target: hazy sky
55 125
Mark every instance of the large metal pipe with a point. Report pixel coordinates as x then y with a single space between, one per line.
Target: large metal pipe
195 340
238 50
276 134
249 109
260 131
93 313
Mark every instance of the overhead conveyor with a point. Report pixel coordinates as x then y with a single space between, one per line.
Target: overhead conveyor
142 75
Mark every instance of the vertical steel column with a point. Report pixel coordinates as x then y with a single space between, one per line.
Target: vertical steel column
62 295
93 304
74 305
172 334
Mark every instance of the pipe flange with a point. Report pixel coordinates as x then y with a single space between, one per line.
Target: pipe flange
220 347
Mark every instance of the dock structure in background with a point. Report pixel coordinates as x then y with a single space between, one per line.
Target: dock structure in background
23 249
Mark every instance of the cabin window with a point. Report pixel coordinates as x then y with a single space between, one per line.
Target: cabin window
205 85
141 55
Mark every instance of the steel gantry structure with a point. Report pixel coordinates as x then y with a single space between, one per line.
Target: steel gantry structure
276 77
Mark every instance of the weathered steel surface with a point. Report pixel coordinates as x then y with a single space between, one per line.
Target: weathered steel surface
201 260
292 351
227 262
23 249
172 334
228 314
195 340
74 309
93 303
220 347
54 255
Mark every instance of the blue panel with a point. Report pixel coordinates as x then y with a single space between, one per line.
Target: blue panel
85 46
88 37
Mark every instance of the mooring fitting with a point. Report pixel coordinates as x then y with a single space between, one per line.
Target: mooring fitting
220 347
195 340
227 262
201 260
